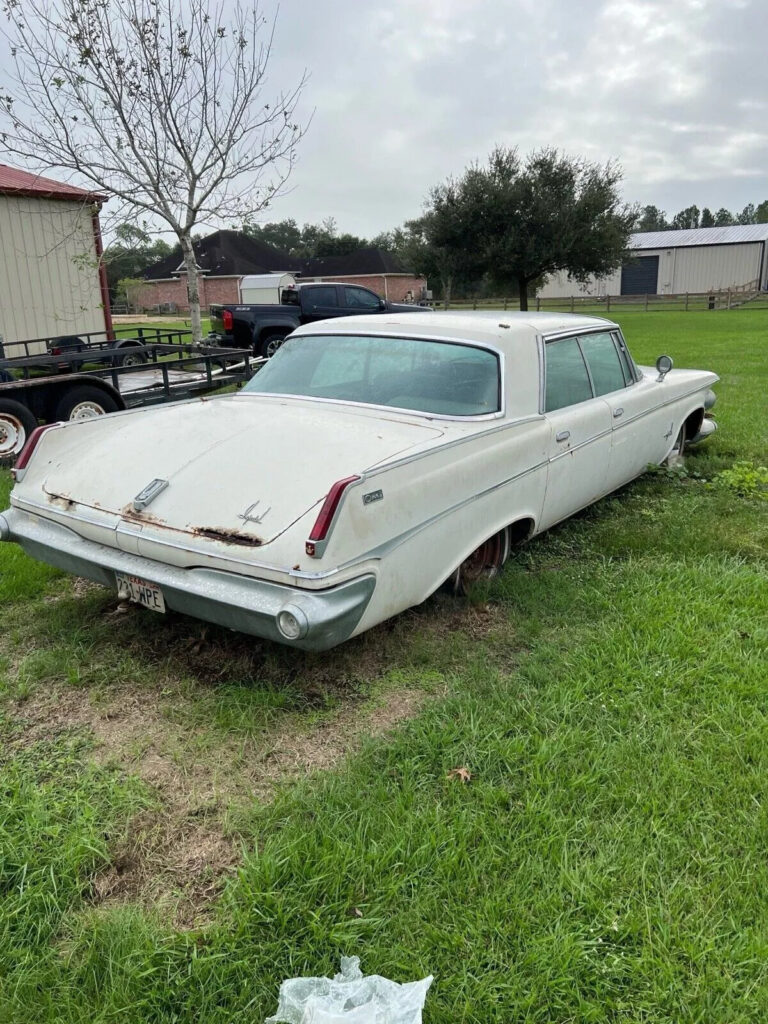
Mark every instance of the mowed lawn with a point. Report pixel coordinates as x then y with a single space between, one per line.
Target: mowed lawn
189 817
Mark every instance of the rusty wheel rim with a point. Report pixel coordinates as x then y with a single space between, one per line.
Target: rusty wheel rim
484 563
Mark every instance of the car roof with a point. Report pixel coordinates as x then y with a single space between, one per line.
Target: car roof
488 326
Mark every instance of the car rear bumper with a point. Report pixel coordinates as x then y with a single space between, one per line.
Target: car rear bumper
325 617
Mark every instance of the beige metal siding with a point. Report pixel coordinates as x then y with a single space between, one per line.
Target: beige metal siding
708 267
49 280
693 269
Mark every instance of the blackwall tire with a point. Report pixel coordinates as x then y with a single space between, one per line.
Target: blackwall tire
16 424
84 403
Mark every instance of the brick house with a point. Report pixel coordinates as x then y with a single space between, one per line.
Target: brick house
226 256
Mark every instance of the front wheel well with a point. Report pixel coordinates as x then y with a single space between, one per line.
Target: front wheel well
693 423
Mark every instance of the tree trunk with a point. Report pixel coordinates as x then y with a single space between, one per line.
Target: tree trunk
522 285
447 283
193 287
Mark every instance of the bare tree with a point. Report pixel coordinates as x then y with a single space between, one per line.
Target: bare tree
159 103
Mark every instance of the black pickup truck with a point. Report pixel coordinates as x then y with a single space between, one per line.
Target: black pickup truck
262 329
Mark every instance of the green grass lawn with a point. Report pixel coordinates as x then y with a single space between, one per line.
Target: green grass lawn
188 816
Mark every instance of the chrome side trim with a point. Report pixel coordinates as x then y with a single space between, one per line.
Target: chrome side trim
582 444
655 408
394 542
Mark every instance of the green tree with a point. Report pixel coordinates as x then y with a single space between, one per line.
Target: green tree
132 252
748 214
687 218
516 221
652 219
707 218
761 212
724 218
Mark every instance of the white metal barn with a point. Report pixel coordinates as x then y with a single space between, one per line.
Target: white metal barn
52 279
676 262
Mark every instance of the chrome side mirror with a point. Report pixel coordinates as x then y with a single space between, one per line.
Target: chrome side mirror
663 365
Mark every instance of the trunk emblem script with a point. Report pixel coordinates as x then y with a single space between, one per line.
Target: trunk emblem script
148 494
249 517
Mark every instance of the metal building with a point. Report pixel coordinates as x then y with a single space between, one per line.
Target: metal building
52 279
676 262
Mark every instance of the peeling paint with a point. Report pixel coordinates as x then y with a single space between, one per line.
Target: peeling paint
227 536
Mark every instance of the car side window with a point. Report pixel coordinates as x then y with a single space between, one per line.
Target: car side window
322 296
603 361
360 298
567 378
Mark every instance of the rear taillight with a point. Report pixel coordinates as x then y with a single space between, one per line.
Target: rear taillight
28 450
227 319
325 517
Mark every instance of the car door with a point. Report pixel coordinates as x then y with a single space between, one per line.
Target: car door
580 433
320 302
641 425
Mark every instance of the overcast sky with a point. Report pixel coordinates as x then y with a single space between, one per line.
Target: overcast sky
406 92
409 91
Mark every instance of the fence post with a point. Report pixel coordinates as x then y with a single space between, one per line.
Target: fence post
474 304
646 304
608 303
686 302
572 303
729 299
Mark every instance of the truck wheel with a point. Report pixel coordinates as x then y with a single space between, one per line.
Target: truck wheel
131 356
16 424
84 403
271 343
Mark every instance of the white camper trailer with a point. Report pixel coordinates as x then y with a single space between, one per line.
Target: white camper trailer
260 289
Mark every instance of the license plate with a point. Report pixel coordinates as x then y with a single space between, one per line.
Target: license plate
134 588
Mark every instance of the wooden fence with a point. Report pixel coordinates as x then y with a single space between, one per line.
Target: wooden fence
742 296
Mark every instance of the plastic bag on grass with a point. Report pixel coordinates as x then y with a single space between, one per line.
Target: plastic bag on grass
350 998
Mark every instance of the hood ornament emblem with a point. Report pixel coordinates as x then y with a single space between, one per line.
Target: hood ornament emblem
148 494
248 516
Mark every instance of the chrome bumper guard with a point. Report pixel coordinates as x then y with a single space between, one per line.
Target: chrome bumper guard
322 618
707 429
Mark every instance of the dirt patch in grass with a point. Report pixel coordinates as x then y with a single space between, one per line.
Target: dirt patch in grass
179 853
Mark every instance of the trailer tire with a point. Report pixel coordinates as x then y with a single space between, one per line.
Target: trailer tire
16 424
84 403
131 355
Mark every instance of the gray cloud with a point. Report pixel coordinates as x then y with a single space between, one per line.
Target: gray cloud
409 92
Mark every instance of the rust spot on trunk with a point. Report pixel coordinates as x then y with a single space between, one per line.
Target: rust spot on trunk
129 512
226 536
62 500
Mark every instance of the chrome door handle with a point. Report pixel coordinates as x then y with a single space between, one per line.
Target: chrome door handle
617 413
563 435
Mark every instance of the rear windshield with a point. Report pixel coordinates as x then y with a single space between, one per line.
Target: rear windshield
405 373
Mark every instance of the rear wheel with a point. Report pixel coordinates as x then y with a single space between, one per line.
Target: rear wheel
484 563
271 343
16 424
84 403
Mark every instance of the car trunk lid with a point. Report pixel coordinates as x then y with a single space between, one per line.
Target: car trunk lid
239 470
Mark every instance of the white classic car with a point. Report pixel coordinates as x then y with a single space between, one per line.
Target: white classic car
368 462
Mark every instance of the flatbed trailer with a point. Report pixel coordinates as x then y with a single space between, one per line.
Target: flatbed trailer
30 394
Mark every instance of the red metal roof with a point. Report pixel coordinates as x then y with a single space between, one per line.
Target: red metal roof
15 182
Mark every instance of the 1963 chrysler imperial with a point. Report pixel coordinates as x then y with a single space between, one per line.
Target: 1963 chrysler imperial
368 462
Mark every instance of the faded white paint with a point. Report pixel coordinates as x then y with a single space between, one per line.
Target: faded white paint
248 473
49 278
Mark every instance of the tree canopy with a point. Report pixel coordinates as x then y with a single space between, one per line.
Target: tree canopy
517 220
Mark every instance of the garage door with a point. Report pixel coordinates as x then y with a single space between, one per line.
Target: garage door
641 276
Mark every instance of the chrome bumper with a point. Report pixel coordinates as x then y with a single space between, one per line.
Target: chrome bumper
708 427
326 617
